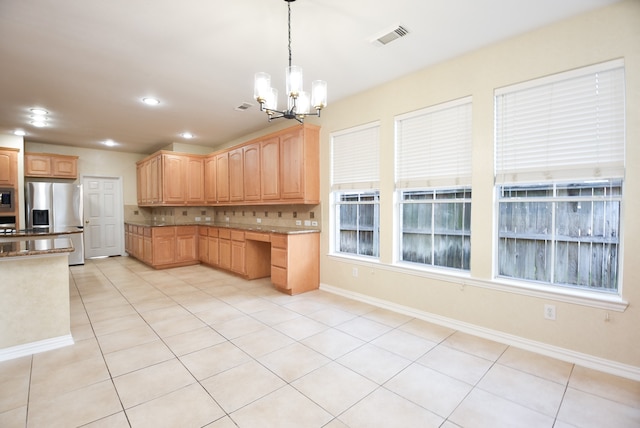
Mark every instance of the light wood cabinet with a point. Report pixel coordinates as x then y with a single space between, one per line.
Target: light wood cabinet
213 246
270 169
186 244
224 249
210 192
172 179
251 171
295 262
236 176
203 244
47 165
222 177
8 167
164 245
299 165
238 264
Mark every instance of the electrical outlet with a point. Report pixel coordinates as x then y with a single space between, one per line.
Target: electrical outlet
314 223
258 220
298 222
354 272
550 312
307 222
207 219
198 218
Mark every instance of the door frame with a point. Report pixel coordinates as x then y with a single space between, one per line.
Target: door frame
119 208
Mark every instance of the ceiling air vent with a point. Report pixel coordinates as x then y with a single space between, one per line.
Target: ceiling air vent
390 35
243 107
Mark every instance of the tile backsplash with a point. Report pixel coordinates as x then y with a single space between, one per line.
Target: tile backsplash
296 216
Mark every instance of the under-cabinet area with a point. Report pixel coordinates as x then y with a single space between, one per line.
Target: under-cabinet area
290 258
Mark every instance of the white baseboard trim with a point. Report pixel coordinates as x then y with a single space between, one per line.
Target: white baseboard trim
35 347
579 358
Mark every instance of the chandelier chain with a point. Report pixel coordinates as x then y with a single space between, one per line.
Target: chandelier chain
289 28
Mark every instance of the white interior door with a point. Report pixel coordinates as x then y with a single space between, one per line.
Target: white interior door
103 216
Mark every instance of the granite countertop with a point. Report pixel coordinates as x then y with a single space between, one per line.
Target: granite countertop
246 227
40 232
34 247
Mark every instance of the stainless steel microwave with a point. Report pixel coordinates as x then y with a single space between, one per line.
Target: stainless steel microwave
7 201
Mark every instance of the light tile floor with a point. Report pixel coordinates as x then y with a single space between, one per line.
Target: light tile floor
194 347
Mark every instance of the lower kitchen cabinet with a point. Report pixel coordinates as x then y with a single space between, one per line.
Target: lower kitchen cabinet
292 260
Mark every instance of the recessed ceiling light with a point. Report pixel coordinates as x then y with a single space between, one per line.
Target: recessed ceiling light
109 143
38 123
187 135
151 101
38 111
19 132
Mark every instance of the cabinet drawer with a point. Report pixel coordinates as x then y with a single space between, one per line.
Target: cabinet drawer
279 240
186 230
237 235
213 232
203 231
255 236
279 276
162 231
146 231
225 233
279 257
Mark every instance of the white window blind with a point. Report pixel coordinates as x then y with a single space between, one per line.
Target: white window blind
355 158
566 126
433 146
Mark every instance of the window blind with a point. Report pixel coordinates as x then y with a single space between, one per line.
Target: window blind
433 146
561 127
355 158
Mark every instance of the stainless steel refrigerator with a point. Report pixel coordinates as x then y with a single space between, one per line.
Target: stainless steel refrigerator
57 207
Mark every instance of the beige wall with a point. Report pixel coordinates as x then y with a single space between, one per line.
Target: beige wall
613 32
99 163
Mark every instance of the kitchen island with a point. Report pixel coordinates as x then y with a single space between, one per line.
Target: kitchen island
34 294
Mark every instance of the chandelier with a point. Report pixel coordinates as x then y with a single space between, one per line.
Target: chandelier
299 102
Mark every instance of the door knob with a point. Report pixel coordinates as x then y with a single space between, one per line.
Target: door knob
86 221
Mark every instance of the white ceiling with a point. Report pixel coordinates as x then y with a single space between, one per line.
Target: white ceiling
90 62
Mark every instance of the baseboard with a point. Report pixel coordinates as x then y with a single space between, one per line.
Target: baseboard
581 359
35 347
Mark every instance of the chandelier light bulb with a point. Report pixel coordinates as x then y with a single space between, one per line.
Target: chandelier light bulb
319 94
261 86
294 81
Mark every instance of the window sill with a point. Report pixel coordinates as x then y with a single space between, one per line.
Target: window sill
605 301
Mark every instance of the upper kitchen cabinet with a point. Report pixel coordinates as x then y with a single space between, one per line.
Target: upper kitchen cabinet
47 165
236 175
300 165
171 179
8 167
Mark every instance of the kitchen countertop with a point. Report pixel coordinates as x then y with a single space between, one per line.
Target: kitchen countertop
39 232
32 247
247 227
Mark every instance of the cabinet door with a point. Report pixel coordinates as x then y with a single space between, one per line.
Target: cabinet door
147 250
236 176
164 245
37 165
224 253
210 180
141 184
195 181
238 257
213 250
222 177
203 245
251 155
8 168
270 169
64 166
292 165
153 180
186 244
173 179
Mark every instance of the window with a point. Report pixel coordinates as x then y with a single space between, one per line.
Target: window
564 234
357 218
433 180
559 176
355 195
